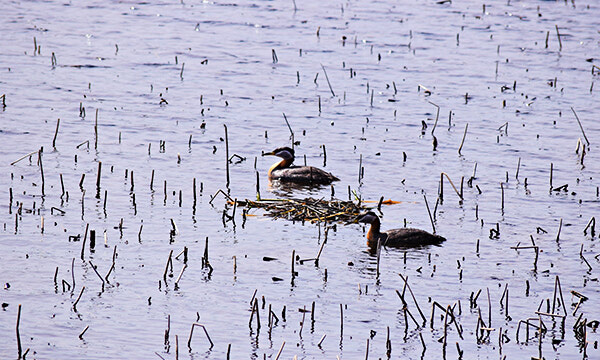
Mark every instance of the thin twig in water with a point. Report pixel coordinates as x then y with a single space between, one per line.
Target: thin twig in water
192 332
463 139
429 212
580 126
327 78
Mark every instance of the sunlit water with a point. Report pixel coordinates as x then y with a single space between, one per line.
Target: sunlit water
389 65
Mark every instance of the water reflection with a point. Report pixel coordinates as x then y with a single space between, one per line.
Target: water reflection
289 189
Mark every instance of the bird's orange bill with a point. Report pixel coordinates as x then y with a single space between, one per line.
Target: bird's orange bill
384 202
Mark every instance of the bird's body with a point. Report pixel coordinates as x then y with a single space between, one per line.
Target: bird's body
286 172
405 237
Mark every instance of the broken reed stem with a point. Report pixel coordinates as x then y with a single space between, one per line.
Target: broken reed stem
458 327
322 339
429 212
55 134
112 267
423 342
437 116
584 259
540 333
98 178
463 139
87 142
446 326
558 36
280 350
291 132
255 310
405 309
41 168
73 273
549 314
215 195
152 181
451 183
504 294
24 156
92 240
78 297
174 228
19 348
579 122
87 226
257 185
253 296
327 78
189 344
83 332
341 320
489 308
62 186
301 322
360 169
320 250
180 274
293 262
591 223
502 192
559 288
194 192
169 261
96 131
97 273
405 279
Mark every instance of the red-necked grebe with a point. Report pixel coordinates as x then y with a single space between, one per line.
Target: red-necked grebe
405 237
285 171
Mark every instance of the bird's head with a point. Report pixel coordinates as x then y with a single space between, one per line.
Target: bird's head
282 152
368 217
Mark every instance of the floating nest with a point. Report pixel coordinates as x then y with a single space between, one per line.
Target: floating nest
308 209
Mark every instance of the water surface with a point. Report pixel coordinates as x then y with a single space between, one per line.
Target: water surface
389 65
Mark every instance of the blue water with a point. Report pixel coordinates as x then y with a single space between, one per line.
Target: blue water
390 66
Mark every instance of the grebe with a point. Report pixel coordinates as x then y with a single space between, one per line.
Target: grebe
405 237
285 171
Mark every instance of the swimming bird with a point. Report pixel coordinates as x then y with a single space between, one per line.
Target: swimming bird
285 171
405 237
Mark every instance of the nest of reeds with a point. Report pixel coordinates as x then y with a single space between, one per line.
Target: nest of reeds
308 209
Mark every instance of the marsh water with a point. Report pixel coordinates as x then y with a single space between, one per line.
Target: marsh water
146 88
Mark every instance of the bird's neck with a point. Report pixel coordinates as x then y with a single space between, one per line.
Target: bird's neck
281 165
374 233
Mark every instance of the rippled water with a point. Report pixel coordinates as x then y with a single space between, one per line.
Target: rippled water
389 65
